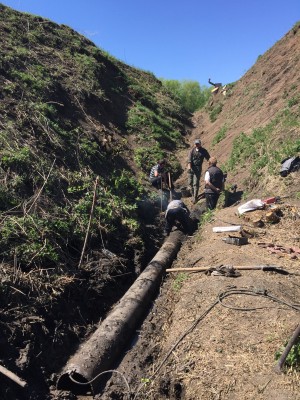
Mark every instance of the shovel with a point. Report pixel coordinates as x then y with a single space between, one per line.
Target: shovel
273 268
170 186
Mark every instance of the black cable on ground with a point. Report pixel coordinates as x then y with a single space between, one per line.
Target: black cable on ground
219 300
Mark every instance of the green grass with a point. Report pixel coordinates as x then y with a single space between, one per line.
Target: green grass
220 135
178 282
262 150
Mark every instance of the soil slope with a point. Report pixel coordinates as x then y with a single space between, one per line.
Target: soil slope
94 115
192 345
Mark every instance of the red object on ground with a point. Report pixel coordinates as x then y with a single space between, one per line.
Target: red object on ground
270 200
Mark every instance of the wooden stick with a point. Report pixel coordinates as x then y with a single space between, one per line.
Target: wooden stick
12 376
41 189
89 224
286 351
161 194
192 269
169 175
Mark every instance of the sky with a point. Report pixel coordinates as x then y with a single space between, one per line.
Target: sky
176 39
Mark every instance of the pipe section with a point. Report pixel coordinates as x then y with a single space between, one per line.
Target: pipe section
101 350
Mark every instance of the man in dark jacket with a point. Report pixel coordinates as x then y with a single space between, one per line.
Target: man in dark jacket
195 161
214 183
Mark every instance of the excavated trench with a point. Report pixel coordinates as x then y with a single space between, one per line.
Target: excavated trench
82 373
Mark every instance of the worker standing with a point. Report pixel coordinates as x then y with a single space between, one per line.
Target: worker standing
214 183
195 160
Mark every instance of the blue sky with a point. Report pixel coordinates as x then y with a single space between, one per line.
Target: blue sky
182 40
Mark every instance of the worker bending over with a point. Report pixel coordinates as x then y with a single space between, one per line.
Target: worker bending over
177 211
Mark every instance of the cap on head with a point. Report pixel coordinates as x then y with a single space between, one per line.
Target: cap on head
197 141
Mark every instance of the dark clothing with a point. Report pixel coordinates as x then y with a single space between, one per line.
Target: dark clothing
156 181
216 177
196 157
289 164
211 200
177 212
217 85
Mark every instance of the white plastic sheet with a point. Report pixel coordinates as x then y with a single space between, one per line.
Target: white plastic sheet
250 206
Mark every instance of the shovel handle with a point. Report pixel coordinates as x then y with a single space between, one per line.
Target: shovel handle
170 185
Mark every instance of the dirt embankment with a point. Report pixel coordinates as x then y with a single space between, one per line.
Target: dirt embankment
195 346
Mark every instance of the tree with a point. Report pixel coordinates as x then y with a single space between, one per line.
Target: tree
188 93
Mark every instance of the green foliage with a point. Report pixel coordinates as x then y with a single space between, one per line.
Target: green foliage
180 278
35 78
147 124
260 150
144 157
31 239
18 159
215 112
125 183
70 114
293 358
220 135
206 217
293 101
296 27
188 93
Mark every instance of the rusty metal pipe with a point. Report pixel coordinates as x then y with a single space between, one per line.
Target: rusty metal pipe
101 350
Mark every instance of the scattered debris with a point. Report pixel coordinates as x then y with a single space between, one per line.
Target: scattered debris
248 233
275 248
224 270
251 206
238 241
272 216
290 164
219 229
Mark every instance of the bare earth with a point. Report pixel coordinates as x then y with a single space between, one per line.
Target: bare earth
193 346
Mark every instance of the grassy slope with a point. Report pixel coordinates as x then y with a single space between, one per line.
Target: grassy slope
69 113
257 123
74 123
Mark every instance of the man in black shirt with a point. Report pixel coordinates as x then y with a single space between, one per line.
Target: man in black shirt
195 161
214 183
